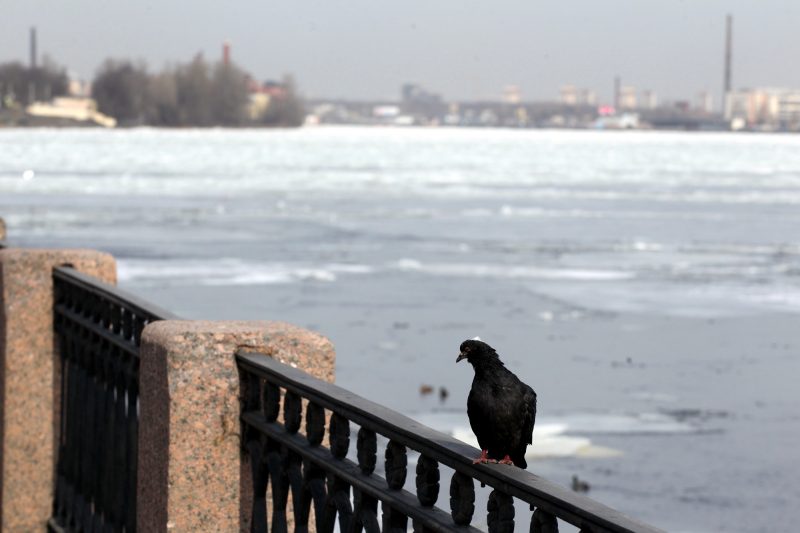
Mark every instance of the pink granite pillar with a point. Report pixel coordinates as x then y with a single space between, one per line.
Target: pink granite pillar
29 379
192 474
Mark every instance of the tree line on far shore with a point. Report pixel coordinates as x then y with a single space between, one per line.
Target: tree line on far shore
25 85
193 94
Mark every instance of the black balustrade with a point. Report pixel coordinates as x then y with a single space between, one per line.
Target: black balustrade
286 416
352 493
99 329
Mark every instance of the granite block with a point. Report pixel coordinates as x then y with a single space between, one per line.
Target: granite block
192 474
29 379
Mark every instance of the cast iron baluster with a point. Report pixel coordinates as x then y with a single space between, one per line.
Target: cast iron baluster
73 432
338 503
339 436
252 443
88 428
501 513
367 450
116 318
276 462
106 320
272 401
314 482
427 482
543 522
58 503
396 467
127 324
272 407
65 464
109 443
100 422
251 392
462 499
292 414
315 424
138 326
59 298
133 443
119 437
260 474
338 493
365 514
292 408
393 520
301 500
314 476
365 511
276 456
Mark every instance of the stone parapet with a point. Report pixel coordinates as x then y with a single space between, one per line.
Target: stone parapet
29 378
192 474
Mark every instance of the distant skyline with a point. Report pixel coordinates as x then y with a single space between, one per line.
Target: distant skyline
463 49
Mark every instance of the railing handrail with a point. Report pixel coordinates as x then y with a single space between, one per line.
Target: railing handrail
555 499
116 295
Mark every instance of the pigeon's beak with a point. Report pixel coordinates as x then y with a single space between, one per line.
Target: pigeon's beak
461 356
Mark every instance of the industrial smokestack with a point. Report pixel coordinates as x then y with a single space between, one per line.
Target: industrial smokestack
33 47
226 53
616 92
728 52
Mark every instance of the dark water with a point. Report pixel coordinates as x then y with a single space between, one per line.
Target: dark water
647 285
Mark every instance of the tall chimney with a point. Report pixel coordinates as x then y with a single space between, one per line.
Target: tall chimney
728 53
616 92
33 47
226 53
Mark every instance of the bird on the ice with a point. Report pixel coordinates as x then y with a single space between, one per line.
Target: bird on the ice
501 408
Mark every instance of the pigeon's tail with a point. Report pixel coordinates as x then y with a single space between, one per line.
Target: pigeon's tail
519 459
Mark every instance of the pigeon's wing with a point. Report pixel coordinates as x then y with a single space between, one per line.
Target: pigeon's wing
479 418
528 413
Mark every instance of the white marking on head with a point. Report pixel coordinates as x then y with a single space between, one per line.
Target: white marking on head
476 338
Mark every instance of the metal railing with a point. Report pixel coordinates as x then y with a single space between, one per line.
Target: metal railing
322 477
99 329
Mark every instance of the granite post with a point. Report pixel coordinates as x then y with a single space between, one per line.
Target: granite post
192 473
2 229
29 378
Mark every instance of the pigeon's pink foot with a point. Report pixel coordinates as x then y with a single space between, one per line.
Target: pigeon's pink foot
506 461
484 458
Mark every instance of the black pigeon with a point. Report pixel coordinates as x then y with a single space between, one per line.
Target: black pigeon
501 408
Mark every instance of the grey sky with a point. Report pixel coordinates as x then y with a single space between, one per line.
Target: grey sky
461 48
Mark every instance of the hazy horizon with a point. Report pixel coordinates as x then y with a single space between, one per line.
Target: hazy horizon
362 50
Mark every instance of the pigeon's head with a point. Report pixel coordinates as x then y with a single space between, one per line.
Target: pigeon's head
476 352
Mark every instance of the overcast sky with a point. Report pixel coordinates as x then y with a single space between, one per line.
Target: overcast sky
464 49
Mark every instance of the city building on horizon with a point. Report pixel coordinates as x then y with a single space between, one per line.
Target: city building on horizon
512 94
571 95
627 97
649 99
705 102
775 108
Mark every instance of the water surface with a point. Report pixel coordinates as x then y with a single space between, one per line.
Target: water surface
646 284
